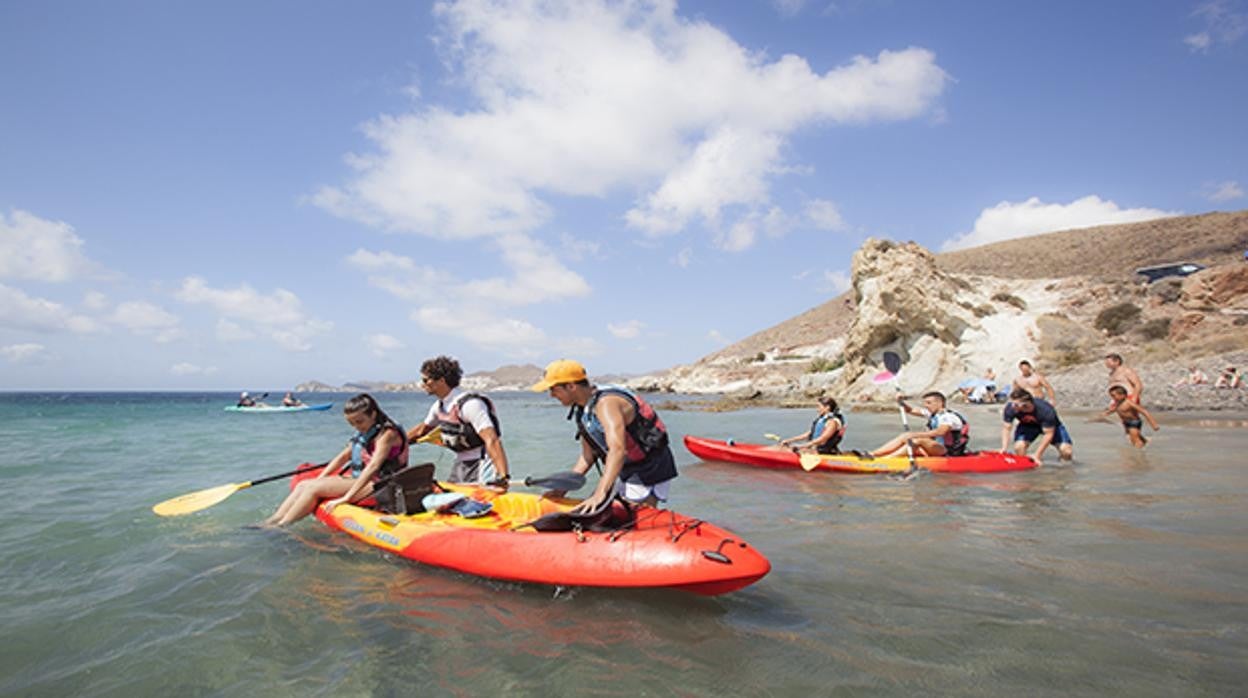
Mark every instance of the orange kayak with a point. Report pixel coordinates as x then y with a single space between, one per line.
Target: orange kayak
659 549
783 458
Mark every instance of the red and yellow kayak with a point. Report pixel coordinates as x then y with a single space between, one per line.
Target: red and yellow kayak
772 457
660 549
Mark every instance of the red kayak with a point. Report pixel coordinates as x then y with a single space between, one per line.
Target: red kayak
772 457
658 549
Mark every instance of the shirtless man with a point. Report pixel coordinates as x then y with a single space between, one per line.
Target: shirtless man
1034 383
1124 376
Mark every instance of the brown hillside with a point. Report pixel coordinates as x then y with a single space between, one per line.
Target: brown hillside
816 325
1107 251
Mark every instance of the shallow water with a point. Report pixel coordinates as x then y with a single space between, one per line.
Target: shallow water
1123 573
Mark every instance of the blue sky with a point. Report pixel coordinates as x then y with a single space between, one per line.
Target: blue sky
248 195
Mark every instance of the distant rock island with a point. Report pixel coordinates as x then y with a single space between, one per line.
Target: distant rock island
509 377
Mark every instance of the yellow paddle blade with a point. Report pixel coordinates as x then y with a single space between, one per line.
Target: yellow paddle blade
773 437
195 501
810 461
434 437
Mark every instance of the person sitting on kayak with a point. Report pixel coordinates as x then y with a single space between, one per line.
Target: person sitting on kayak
246 400
377 450
947 434
1037 419
469 425
619 428
289 400
825 433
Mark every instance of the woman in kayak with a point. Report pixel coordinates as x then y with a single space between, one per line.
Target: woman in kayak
825 433
378 449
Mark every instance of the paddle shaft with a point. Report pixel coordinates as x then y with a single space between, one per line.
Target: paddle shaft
892 361
292 473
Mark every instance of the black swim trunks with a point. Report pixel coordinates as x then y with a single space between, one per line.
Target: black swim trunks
1129 424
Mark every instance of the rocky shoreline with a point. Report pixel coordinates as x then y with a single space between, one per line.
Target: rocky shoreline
1078 388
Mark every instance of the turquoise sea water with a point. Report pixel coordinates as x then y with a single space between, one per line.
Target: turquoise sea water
1125 573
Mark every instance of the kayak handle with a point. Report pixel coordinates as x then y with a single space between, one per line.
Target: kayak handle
717 556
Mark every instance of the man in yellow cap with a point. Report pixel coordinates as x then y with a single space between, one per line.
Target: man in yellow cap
618 427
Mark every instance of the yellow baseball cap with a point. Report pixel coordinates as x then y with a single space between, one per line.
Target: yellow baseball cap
560 371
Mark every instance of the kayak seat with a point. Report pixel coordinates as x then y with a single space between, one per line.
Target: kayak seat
404 493
612 516
520 507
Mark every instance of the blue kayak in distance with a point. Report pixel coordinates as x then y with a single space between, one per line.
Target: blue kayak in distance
277 409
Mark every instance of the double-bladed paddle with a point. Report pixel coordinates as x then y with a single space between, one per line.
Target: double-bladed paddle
196 501
808 461
892 362
566 481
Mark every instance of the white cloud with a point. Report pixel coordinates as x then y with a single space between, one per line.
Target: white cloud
508 336
381 344
42 250
744 232
1198 42
278 315
1007 220
626 330
788 8
538 276
1224 191
229 331
835 282
738 238
94 300
580 98
1226 22
188 369
148 320
480 327
18 353
717 337
401 276
22 312
731 166
576 250
824 215
683 257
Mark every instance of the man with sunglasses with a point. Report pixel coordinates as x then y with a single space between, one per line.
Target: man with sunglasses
620 429
469 425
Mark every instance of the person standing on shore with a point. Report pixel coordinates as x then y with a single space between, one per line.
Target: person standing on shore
620 429
1037 419
1121 374
1130 413
469 425
1033 382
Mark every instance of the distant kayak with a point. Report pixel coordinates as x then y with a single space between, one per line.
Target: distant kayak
270 409
771 457
652 548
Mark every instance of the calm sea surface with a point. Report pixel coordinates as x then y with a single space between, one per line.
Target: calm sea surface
1125 573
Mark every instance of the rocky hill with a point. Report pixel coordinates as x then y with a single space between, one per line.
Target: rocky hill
1061 300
